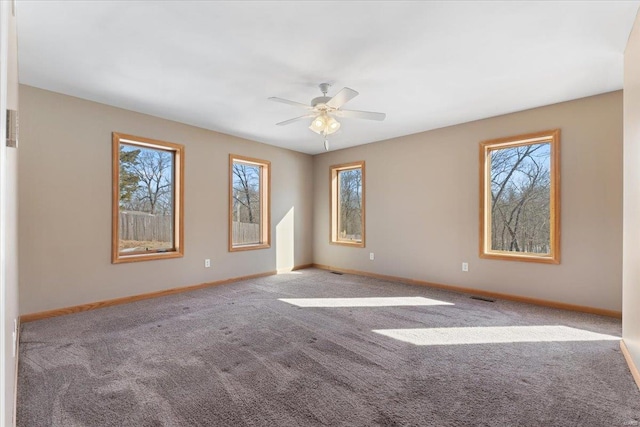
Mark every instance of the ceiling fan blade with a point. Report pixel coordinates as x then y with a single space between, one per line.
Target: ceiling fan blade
342 97
294 103
286 122
353 114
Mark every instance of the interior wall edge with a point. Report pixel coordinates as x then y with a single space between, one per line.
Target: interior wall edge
15 384
631 219
632 367
509 297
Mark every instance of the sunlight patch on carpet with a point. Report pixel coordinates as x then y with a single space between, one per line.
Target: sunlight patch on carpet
363 302
492 335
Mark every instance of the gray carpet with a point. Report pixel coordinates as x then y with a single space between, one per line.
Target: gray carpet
234 355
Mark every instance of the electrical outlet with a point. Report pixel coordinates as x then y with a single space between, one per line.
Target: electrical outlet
465 266
371 256
207 263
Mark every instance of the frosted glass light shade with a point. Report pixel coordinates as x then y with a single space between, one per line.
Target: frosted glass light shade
324 125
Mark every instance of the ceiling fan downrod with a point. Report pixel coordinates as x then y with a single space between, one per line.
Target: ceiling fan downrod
324 88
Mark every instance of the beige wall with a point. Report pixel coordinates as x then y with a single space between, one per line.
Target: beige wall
65 204
631 262
422 206
65 180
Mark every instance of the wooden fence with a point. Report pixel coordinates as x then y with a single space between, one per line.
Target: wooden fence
245 233
143 227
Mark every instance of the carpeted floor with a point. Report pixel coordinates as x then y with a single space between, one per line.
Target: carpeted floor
236 355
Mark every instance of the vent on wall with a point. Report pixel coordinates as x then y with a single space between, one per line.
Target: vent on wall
12 128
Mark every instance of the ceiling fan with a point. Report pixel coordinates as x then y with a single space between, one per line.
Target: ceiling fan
324 110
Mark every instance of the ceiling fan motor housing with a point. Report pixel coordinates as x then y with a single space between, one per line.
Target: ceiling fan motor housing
320 100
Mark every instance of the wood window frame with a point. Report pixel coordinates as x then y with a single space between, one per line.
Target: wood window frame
265 203
334 203
550 136
178 199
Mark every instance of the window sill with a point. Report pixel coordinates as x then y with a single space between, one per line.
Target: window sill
119 259
346 243
507 256
249 247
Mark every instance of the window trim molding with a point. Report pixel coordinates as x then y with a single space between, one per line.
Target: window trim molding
333 203
265 203
551 136
178 198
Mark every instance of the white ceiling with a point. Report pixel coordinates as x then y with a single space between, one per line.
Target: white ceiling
425 64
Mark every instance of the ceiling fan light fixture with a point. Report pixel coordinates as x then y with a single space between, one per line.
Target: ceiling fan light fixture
324 125
332 126
319 124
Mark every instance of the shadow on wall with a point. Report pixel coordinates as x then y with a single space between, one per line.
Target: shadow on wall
285 243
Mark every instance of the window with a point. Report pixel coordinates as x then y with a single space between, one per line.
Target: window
520 198
347 204
148 180
249 207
